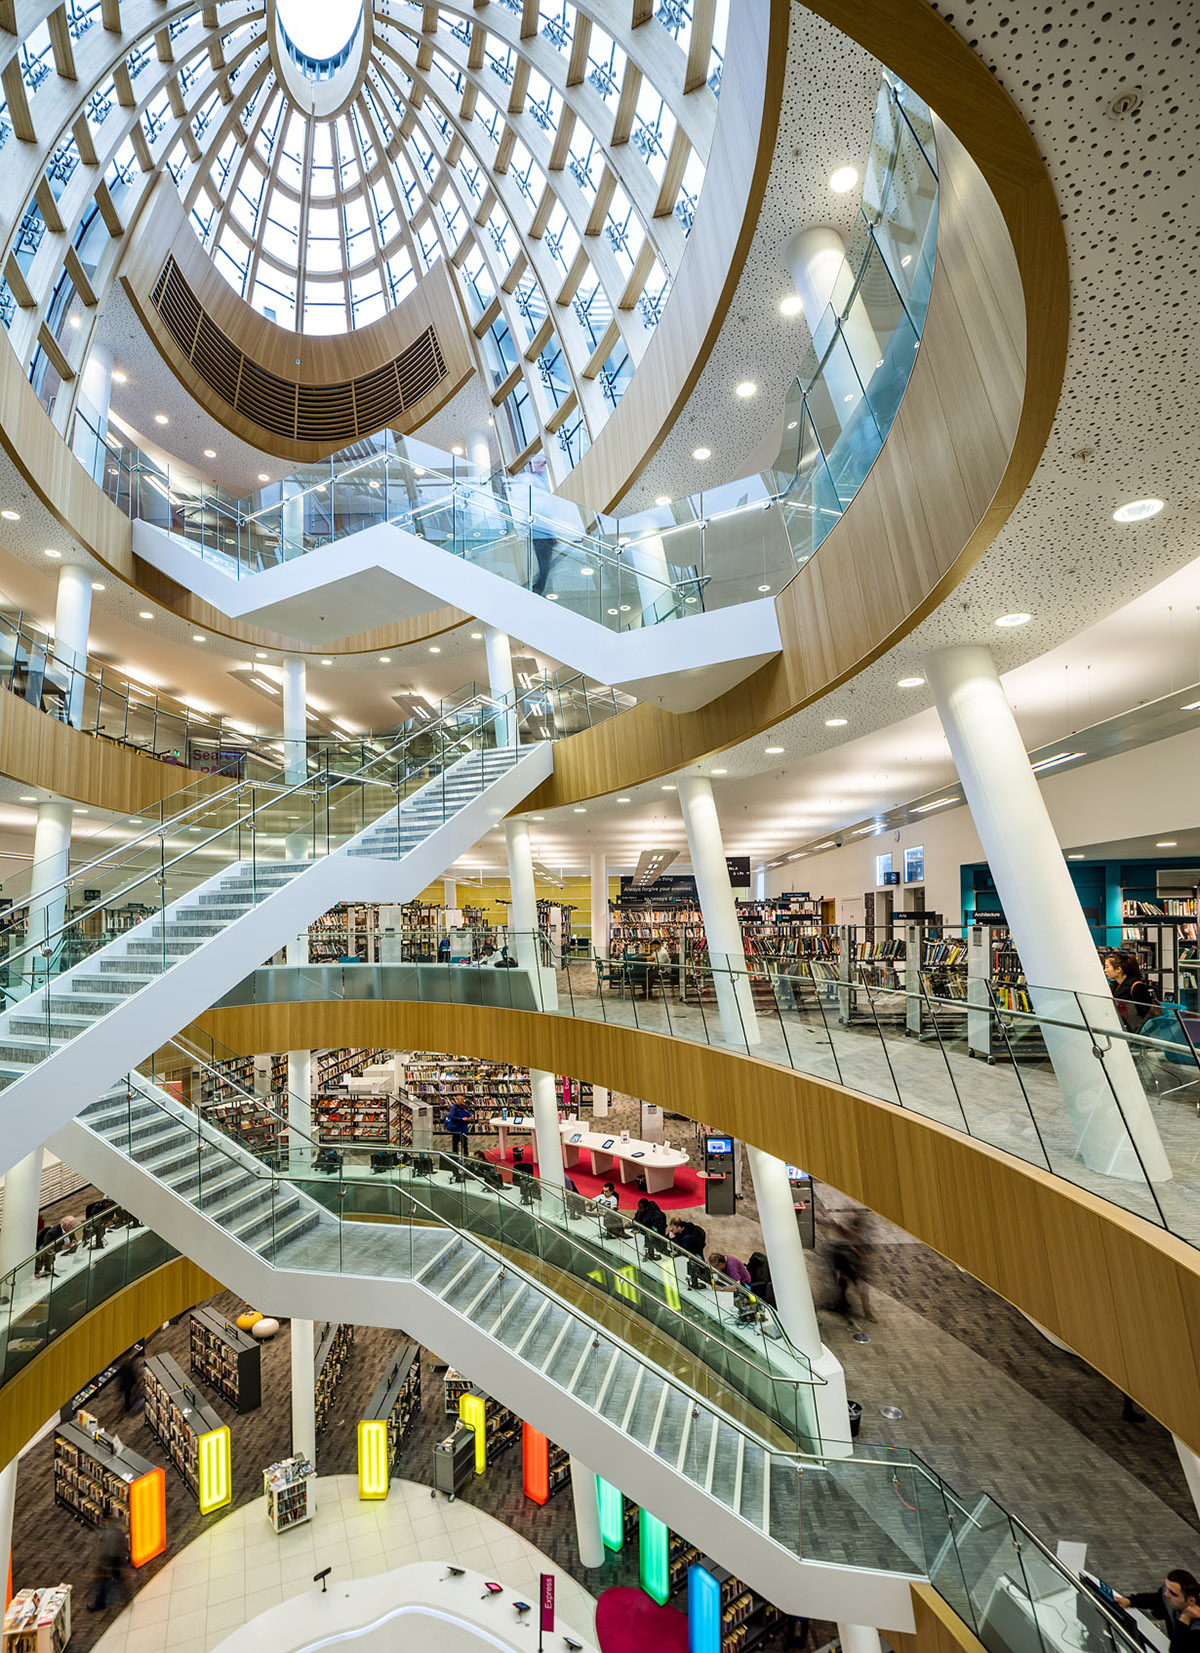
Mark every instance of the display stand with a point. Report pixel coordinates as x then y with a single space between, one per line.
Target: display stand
229 1360
96 1476
393 1409
453 1462
38 1621
291 1492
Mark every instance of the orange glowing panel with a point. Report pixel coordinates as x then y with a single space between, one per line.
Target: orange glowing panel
147 1517
535 1457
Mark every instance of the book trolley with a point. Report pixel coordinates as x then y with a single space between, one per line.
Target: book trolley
291 1492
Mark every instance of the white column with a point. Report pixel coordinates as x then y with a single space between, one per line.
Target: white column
450 893
18 1236
523 918
295 723
1043 912
721 927
304 1404
93 400
47 896
587 1515
828 1415
72 616
299 1110
760 881
1188 1462
291 491
546 1133
501 685
858 1638
599 905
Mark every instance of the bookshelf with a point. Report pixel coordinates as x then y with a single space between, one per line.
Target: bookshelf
333 1347
251 1123
391 1413
333 1066
38 1621
291 1492
343 1120
196 1440
96 1475
487 1088
455 1387
545 1467
494 1426
229 1360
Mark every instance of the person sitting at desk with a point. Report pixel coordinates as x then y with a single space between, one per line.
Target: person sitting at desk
650 1215
606 1199
1177 1603
734 1270
687 1236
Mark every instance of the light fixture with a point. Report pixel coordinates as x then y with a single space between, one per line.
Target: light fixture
906 261
79 812
747 388
836 722
701 453
145 614
1166 843
663 499
263 477
773 751
843 180
210 453
385 659
11 516
457 451
938 803
720 771
98 585
1013 619
26 798
161 419
624 800
580 810
1078 856
552 596
260 654
327 662
199 637
764 588
670 789
792 424
264 683
51 552
1137 510
848 397
828 844
1053 763
433 649
791 305
119 378
477 637
909 682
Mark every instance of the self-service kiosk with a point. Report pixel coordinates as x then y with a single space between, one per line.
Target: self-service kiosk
718 1175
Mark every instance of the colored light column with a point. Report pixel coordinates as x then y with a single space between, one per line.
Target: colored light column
215 1484
472 1409
147 1517
535 1464
612 1515
373 1474
653 1570
704 1611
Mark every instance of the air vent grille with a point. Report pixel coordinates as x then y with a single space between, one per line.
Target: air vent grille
325 413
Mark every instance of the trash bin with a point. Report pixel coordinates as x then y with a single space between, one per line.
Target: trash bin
855 1419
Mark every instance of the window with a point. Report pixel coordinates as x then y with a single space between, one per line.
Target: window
883 867
914 864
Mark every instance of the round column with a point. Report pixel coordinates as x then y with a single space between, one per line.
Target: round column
721 927
295 721
72 617
546 1133
587 1515
92 402
304 1402
18 1236
523 918
1105 1101
47 896
817 259
858 1638
501 685
599 904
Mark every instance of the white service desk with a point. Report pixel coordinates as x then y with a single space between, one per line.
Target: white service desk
633 1159
502 1124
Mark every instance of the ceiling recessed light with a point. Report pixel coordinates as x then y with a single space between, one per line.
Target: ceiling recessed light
701 453
773 751
433 649
1053 763
1166 843
764 588
161 419
1013 619
1137 510
624 800
385 659
199 637
145 614
906 261
552 596
263 477
720 771
98 585
580 810
118 377
670 789
909 682
27 799
1076 857
327 662
11 516
792 424
210 453
663 499
457 451
938 803
835 722
792 305
51 552
79 812
260 654
747 388
843 180
848 397
477 637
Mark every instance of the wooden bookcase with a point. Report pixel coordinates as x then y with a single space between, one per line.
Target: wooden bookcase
228 1359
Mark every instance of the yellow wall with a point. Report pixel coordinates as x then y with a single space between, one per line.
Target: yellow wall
491 892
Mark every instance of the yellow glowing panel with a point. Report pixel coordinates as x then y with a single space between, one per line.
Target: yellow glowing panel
373 1458
472 1409
215 1470
622 1278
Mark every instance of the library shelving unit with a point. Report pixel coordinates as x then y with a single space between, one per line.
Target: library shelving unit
333 1346
196 1440
420 930
95 1475
251 1122
38 1621
494 1426
746 1618
333 1066
487 1088
1162 936
391 1413
228 1359
291 1492
936 992
680 1556
342 1121
545 1467
995 984
783 928
455 1387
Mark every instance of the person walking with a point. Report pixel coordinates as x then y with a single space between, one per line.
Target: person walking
127 1380
849 1263
108 1577
457 1122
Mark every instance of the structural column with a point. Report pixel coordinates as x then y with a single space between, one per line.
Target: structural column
295 720
501 685
858 1638
72 617
817 258
18 1236
599 905
304 1404
1104 1099
523 916
719 910
47 893
587 1515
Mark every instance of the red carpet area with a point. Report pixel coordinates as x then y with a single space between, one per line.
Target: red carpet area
687 1192
629 1622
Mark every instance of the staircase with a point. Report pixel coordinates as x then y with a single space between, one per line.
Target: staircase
88 1026
828 1541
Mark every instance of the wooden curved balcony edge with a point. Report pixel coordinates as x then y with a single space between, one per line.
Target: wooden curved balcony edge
1122 1293
75 1356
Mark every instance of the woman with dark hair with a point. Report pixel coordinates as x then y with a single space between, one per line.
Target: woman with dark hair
1129 987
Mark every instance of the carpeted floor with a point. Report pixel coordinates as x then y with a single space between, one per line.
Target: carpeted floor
629 1622
688 1192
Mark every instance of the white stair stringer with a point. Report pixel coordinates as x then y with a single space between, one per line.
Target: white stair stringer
580 1385
107 1013
339 589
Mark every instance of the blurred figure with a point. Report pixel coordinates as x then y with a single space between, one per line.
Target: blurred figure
127 1380
108 1579
848 1260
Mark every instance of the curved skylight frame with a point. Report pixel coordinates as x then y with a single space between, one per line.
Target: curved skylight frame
517 140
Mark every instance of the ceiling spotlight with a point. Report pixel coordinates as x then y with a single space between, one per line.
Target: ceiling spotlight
1137 510
773 751
1076 857
792 424
98 585
119 378
909 682
764 588
51 552
663 499
552 596
747 388
624 800
210 453
477 637
327 662
720 771
906 261
457 451
263 477
702 453
843 180
161 419
1166 843
836 722
79 812
11 516
792 305
261 654
580 810
199 637
385 659
26 799
670 789
1013 619
433 649
145 614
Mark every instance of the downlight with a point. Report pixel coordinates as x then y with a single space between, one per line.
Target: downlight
1137 510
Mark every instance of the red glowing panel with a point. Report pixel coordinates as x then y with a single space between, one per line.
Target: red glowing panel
147 1517
535 1454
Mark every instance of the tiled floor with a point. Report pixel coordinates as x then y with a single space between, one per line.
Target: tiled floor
239 1568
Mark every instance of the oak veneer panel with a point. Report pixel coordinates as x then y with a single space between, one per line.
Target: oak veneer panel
76 1355
938 1628
1122 1293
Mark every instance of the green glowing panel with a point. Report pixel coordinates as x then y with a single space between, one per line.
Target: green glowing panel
612 1522
653 1571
